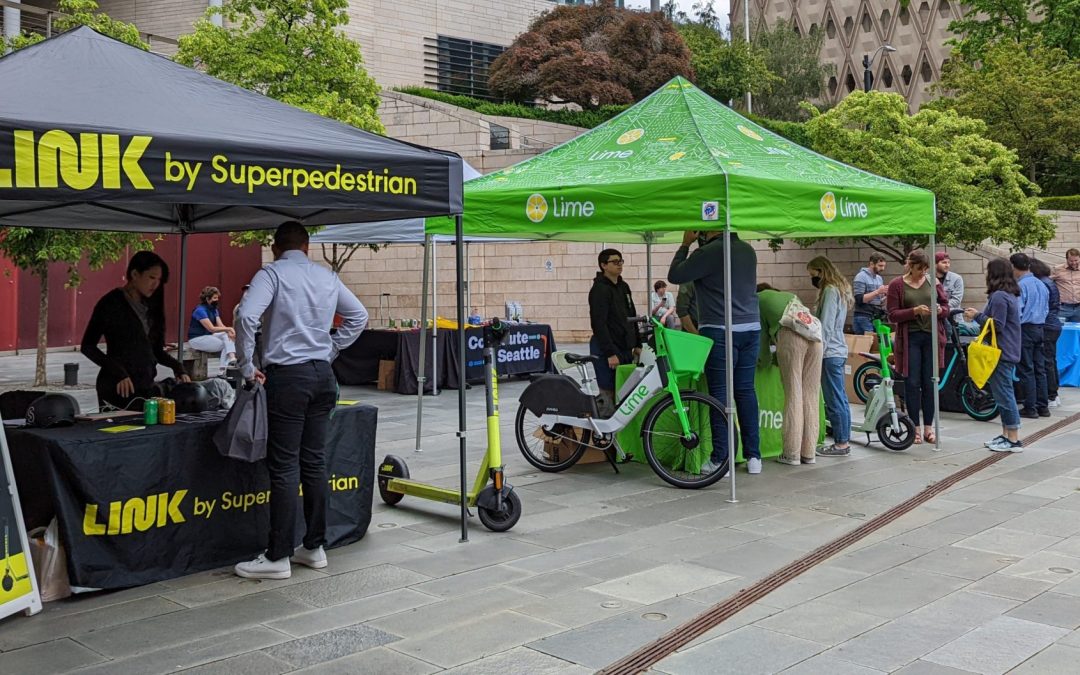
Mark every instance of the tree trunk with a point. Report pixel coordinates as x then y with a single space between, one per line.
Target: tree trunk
42 327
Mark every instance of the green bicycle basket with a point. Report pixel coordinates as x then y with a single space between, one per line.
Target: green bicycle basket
687 353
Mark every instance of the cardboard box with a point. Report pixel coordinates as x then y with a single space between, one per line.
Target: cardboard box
387 373
856 344
590 456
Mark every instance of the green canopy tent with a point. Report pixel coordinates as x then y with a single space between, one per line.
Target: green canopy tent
679 160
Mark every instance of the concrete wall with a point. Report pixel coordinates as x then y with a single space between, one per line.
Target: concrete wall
390 32
502 272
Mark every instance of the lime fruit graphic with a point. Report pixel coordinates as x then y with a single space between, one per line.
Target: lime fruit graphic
630 136
828 207
750 133
536 208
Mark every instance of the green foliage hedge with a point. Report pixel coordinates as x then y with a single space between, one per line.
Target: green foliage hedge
1064 203
587 119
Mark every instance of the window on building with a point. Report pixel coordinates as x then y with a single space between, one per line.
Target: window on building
886 78
944 10
459 66
905 75
850 83
833 84
924 12
905 16
867 23
849 25
830 28
925 72
885 17
814 29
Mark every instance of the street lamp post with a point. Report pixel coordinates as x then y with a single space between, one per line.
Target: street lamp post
868 62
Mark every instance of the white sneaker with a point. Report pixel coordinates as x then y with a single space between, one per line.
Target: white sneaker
753 465
315 559
993 441
1055 402
708 468
1005 445
262 568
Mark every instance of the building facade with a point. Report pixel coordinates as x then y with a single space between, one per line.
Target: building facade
441 44
857 28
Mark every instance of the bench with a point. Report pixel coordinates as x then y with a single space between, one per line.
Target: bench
196 363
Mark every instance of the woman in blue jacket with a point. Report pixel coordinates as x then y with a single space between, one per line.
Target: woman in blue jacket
1003 308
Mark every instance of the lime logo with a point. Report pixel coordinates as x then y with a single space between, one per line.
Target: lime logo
828 207
831 207
537 207
750 133
630 136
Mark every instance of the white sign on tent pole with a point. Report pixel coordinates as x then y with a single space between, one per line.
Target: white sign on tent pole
18 585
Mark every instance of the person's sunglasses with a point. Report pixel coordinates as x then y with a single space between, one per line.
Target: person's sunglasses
614 261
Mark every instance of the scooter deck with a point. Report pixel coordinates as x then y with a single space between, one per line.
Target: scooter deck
413 488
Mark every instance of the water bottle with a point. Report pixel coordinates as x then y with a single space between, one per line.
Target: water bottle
150 412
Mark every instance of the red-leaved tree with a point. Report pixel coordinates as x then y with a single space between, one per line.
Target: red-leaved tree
592 55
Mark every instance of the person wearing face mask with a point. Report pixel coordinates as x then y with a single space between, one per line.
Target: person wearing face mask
208 333
131 319
834 299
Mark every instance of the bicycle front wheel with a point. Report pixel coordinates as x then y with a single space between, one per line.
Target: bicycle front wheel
675 458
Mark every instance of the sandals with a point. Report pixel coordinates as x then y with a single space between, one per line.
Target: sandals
931 437
918 438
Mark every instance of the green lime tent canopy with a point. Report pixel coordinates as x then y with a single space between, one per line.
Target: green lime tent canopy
680 160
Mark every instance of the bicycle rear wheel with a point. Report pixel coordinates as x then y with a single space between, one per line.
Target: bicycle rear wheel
554 449
676 459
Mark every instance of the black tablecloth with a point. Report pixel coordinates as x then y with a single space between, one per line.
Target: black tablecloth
527 350
158 503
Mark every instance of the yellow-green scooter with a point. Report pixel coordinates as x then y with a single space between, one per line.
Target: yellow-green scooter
497 504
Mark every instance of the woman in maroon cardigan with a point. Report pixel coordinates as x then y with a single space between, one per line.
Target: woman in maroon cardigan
908 306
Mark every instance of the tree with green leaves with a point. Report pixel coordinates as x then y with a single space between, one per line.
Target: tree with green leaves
290 50
33 249
982 193
1029 96
795 62
987 22
725 69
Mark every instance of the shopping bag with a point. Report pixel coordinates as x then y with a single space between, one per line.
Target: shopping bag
50 564
983 358
798 318
243 433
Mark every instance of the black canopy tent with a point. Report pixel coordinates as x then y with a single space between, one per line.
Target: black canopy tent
98 135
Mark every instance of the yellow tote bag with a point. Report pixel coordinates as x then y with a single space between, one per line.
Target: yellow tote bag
982 357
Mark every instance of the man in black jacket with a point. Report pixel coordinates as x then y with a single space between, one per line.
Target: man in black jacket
610 305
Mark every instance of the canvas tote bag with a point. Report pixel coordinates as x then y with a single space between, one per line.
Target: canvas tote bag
983 358
798 318
243 433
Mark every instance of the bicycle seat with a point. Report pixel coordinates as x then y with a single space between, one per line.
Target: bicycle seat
580 358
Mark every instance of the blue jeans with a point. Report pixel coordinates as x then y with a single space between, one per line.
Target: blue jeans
1032 367
862 323
1069 312
605 374
744 347
1001 388
919 381
837 407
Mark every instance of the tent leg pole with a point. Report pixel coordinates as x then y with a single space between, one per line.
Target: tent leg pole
420 377
180 303
729 356
934 345
648 270
462 422
434 316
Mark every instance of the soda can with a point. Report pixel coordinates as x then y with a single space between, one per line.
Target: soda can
167 411
150 412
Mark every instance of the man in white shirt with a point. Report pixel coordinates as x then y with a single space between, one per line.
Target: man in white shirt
296 300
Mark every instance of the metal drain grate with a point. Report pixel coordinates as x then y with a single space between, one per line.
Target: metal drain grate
644 658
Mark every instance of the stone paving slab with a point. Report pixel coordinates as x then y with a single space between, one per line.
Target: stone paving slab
996 647
329 645
915 587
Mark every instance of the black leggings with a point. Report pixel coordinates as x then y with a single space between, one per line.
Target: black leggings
919 382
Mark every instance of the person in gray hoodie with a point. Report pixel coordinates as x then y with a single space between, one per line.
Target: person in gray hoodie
1003 308
834 299
705 268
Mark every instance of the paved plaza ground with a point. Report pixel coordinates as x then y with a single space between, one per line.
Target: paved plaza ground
984 578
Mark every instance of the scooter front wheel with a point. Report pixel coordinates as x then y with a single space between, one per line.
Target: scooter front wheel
896 440
391 467
501 521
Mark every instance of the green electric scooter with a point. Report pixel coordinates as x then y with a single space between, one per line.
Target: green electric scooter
894 429
495 500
